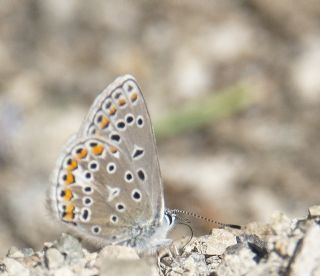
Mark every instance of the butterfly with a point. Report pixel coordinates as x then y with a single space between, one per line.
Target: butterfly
107 184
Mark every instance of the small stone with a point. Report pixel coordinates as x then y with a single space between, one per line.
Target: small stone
118 267
91 259
82 271
307 259
32 261
27 252
281 224
70 246
216 243
37 271
15 253
314 211
118 252
238 263
213 262
286 247
47 244
254 243
13 267
64 271
195 264
54 259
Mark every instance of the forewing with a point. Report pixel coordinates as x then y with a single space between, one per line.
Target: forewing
120 114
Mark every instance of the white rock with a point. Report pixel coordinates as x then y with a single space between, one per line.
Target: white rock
54 258
127 267
308 258
237 264
13 267
15 253
314 211
64 271
219 240
118 252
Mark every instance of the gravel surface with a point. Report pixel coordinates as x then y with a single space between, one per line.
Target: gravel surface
56 56
281 247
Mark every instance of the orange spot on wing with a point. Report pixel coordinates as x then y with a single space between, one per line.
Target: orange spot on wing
112 110
98 149
122 101
72 165
113 149
134 96
104 122
82 153
68 214
67 194
68 178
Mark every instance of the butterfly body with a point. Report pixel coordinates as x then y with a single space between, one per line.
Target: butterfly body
107 183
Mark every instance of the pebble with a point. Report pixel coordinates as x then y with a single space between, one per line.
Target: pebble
314 211
307 259
14 267
54 258
71 247
15 253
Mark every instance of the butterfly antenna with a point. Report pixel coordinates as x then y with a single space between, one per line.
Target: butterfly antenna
177 211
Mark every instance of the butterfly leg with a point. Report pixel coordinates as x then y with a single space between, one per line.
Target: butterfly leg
166 258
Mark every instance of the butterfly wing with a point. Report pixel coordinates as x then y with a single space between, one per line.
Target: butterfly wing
96 192
107 180
120 114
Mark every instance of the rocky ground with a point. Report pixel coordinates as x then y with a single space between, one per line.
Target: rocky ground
236 166
282 247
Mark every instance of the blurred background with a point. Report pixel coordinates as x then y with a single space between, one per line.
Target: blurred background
233 88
